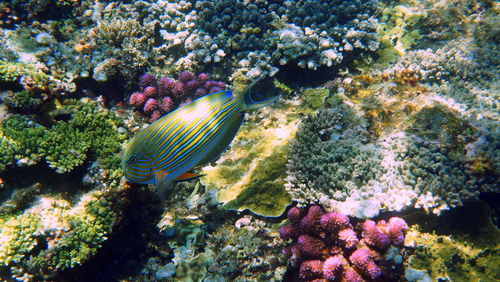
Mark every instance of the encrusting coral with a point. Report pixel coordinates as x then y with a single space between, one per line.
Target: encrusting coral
326 246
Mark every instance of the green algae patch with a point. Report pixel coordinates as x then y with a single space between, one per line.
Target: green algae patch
250 175
266 180
315 97
438 123
464 246
398 31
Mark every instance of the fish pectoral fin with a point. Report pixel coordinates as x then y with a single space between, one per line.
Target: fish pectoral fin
163 186
188 176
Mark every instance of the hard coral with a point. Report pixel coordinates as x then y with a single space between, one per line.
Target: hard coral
328 240
160 96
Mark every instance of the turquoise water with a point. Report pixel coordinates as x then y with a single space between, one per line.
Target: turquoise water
379 161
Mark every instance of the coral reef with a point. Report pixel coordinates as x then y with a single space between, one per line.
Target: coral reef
410 147
54 234
325 246
462 244
90 133
250 174
160 96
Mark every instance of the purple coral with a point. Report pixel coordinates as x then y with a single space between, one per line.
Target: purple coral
311 269
310 246
311 222
373 236
146 80
161 96
150 106
362 259
332 267
346 254
334 221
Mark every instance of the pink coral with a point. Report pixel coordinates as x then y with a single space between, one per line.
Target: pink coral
166 104
137 99
146 80
332 267
170 93
192 84
186 76
149 92
178 90
214 90
294 215
310 246
347 254
397 227
288 232
334 221
311 269
150 106
363 261
351 275
373 236
202 77
154 116
311 222
348 238
200 92
165 86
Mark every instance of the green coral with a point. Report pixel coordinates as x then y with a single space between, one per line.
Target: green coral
91 132
398 31
54 234
18 237
441 124
12 71
331 153
20 139
23 100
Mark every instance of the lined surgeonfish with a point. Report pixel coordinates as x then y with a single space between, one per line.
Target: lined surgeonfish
194 134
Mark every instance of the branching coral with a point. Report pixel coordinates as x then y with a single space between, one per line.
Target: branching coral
54 235
91 131
158 97
325 246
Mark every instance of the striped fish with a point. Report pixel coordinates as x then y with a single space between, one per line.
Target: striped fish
194 134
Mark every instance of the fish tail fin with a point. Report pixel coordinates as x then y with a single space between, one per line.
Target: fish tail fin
252 94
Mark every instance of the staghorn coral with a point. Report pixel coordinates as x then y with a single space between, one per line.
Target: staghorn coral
318 249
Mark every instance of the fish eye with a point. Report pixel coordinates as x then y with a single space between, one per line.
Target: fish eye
132 160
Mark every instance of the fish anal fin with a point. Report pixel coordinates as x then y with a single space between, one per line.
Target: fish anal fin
188 176
163 186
